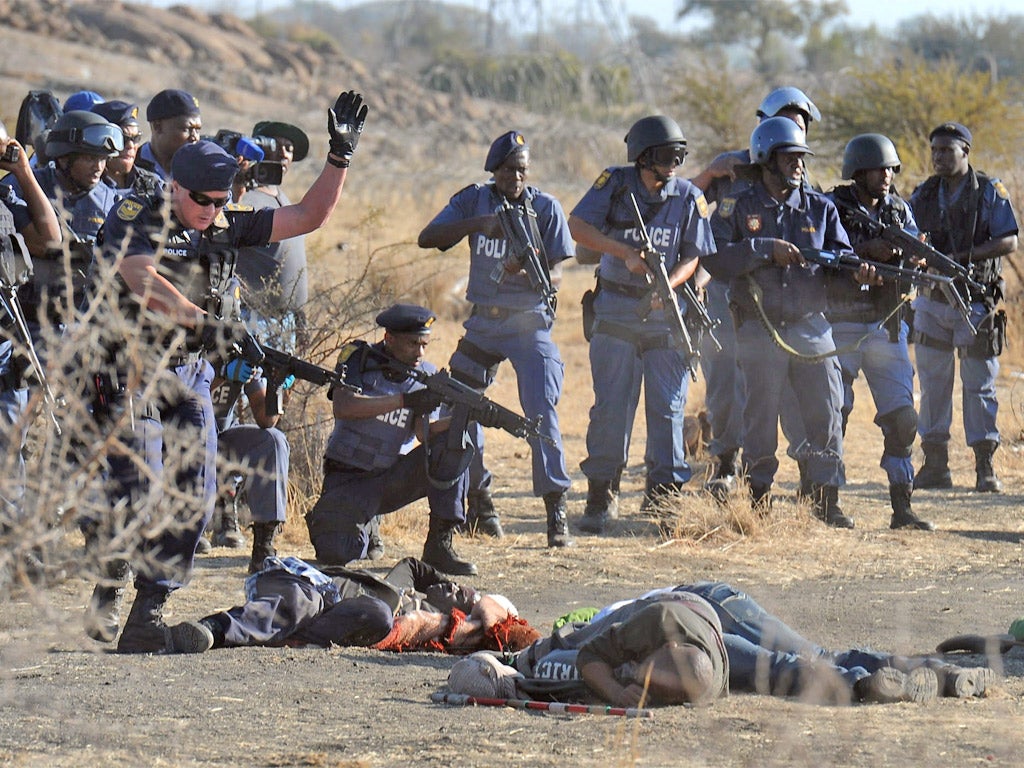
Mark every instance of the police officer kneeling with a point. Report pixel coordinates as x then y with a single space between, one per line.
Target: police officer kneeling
369 469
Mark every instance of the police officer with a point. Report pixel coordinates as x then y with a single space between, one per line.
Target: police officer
969 218
865 319
26 214
371 467
725 391
628 345
276 275
122 174
161 385
174 120
759 235
511 319
82 100
254 457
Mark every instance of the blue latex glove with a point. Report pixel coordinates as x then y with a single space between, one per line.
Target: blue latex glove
238 370
288 381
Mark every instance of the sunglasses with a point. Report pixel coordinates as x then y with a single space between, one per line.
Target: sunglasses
132 139
669 154
204 200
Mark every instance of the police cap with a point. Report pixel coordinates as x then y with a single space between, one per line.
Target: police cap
406 318
203 166
294 134
118 112
172 103
956 130
505 145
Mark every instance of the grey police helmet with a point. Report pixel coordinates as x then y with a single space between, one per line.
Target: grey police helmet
652 131
85 133
788 97
777 134
868 151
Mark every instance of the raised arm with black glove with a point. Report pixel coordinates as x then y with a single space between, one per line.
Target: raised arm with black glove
345 124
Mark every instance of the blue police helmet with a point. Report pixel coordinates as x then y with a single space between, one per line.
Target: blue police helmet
83 100
86 133
505 145
788 97
406 318
777 134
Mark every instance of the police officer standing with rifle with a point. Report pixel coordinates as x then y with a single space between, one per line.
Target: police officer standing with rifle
636 334
518 239
968 217
867 321
154 391
24 217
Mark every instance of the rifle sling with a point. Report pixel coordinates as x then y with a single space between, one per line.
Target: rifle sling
773 332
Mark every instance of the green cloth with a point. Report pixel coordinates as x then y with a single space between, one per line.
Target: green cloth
579 616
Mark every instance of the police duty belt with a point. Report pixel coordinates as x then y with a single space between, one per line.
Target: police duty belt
757 297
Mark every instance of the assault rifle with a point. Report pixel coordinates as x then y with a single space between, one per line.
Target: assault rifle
278 366
466 403
522 253
662 286
15 271
850 261
913 248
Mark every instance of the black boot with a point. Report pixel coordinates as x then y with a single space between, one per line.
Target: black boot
558 520
723 482
145 631
805 490
657 500
438 551
262 544
826 506
987 481
226 532
902 515
616 489
761 499
599 500
935 472
481 516
375 547
103 616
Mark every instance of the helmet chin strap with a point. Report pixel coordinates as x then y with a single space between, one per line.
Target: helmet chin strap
787 181
658 175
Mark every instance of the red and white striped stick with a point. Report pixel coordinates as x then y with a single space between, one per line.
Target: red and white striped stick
461 699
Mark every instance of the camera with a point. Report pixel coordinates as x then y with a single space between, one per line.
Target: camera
11 155
258 172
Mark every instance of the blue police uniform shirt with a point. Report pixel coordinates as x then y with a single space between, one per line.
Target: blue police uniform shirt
486 253
140 182
146 159
141 222
374 443
676 218
995 209
745 227
87 210
723 185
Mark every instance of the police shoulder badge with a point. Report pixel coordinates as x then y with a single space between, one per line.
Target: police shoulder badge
602 179
1001 190
221 222
238 207
348 350
725 207
754 222
129 209
702 206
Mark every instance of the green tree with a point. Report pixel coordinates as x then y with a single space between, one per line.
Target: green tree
766 26
906 101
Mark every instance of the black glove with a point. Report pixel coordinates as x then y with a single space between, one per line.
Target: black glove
421 401
345 124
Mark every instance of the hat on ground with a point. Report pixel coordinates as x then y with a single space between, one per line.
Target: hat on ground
503 146
294 134
406 318
172 103
203 166
483 676
118 112
956 130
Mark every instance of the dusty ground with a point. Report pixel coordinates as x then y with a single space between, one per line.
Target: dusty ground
65 701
